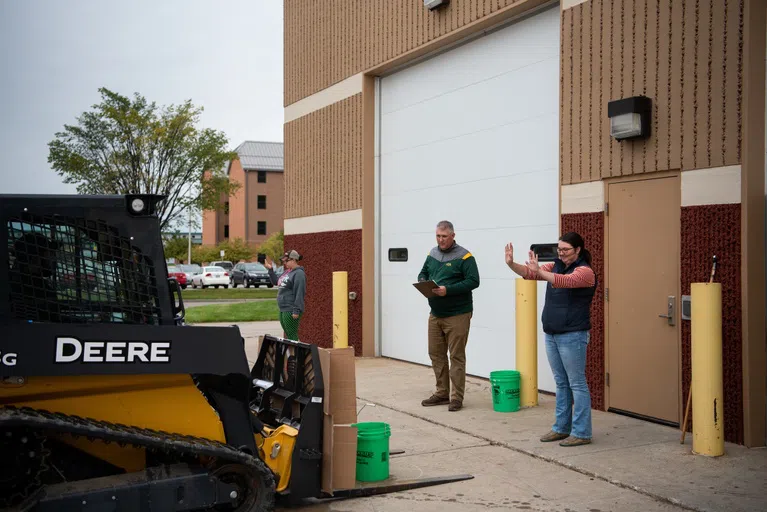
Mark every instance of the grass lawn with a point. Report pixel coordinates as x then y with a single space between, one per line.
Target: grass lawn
241 312
229 293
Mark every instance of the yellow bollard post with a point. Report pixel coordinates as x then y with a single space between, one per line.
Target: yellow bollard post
707 384
340 310
527 341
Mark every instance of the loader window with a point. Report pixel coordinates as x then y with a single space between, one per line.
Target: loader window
73 270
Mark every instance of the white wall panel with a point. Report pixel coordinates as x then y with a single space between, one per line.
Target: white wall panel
471 136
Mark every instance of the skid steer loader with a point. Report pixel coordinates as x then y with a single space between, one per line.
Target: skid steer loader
108 401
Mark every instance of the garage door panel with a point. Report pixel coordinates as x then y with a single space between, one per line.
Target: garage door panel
507 150
507 201
497 53
471 136
463 74
502 101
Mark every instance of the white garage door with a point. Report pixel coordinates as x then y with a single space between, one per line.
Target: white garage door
470 136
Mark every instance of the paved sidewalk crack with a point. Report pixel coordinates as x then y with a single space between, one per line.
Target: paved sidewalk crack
565 465
431 452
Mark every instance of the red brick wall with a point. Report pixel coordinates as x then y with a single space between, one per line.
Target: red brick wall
591 227
323 254
708 231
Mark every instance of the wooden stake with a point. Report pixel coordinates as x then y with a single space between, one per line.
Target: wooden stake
686 414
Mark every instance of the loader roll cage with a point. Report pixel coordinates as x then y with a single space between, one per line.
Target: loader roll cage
70 259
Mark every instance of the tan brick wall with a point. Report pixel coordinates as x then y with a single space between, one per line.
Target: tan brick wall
329 40
683 54
323 160
274 190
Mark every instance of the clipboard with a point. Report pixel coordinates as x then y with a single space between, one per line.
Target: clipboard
426 287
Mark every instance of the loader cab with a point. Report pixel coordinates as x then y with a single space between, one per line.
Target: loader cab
83 259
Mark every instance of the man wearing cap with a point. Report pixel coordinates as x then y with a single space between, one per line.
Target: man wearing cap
291 289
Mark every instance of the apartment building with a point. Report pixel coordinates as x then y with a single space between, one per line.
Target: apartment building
255 211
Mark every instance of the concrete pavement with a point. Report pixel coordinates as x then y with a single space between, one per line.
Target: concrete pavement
626 453
631 465
503 479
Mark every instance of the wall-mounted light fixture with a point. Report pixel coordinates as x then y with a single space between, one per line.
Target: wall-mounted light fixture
434 4
630 117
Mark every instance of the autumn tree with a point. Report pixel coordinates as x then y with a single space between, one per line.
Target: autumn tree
131 146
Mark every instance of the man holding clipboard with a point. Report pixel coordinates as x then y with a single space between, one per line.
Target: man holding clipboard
447 279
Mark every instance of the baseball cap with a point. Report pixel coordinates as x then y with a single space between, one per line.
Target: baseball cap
293 255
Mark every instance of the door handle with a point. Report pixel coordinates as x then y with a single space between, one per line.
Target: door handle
671 307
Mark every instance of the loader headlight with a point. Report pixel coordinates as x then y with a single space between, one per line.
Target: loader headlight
137 205
142 205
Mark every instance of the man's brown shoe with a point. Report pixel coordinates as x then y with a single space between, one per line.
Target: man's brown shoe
455 405
435 400
553 436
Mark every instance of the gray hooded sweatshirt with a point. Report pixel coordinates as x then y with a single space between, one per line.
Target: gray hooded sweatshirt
291 291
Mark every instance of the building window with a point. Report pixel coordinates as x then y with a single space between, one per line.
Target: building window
226 207
262 202
262 176
226 230
261 227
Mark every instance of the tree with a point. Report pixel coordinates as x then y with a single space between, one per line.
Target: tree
126 146
177 246
234 251
273 246
204 253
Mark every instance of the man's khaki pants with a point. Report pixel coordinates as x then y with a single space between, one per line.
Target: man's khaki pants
449 334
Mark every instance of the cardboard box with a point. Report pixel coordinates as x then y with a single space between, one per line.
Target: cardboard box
339 441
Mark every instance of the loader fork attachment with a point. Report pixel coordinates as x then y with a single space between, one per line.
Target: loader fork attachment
288 389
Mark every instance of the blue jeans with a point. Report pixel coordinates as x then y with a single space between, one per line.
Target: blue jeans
567 358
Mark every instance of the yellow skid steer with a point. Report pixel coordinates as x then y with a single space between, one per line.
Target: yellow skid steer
108 401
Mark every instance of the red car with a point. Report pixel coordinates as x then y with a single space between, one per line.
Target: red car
178 275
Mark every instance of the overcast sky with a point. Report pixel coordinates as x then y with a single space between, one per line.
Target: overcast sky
224 55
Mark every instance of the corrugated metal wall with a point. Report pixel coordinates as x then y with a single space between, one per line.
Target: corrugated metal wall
323 160
683 54
329 40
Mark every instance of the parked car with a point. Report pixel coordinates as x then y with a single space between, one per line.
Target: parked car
190 271
226 265
211 276
250 274
180 276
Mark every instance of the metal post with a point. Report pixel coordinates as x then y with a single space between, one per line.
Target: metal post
189 248
707 384
340 310
527 341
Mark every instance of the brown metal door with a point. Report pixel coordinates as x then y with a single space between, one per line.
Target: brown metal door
643 281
